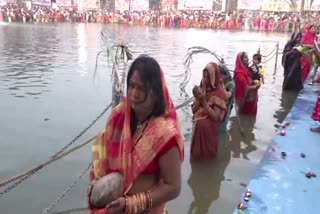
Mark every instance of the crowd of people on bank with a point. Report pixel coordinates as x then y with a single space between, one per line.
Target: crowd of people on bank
273 22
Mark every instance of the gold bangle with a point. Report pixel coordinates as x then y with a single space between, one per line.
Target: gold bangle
128 210
135 208
150 199
144 201
140 203
131 206
126 205
139 208
147 200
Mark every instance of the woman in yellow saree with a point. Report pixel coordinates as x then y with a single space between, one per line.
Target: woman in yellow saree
142 141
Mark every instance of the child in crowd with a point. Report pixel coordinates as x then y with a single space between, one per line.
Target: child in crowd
256 68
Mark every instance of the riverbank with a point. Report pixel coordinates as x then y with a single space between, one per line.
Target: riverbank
280 184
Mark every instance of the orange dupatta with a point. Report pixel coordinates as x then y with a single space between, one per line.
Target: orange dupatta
113 149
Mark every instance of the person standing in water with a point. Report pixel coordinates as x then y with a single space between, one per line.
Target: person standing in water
209 110
246 92
142 141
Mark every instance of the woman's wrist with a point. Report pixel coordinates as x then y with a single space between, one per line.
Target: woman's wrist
138 203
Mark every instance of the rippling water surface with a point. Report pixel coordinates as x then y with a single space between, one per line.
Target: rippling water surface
48 95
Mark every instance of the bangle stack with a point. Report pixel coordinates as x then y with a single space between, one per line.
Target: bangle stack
138 203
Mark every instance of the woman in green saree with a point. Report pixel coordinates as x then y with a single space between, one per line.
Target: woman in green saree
229 87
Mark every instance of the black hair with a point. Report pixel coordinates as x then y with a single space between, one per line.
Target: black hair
150 74
242 55
311 26
257 56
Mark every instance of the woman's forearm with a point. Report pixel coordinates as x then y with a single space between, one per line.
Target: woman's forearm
170 173
164 193
214 114
246 95
195 107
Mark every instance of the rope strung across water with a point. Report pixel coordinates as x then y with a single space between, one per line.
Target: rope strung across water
62 153
188 60
65 192
272 52
27 174
125 52
268 60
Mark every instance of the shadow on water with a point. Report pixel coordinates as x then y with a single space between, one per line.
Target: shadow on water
206 178
27 69
239 150
286 102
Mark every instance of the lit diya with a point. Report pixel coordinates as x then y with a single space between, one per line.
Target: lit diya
311 175
247 195
287 123
241 206
283 154
282 132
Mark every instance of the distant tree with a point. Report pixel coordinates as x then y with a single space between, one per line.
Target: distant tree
294 4
217 5
154 4
310 3
107 4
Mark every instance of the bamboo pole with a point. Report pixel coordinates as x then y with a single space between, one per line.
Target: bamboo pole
277 54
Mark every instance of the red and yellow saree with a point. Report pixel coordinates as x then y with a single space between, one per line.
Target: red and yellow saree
114 150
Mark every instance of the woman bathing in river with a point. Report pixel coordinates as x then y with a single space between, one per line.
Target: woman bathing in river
209 109
142 141
246 91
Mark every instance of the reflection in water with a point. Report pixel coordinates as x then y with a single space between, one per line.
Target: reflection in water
82 44
247 123
287 100
26 69
206 178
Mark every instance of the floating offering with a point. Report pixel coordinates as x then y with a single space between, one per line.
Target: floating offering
241 206
282 132
287 123
311 175
248 194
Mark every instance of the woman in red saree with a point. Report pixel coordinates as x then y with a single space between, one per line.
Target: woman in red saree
307 41
316 115
209 108
246 92
142 141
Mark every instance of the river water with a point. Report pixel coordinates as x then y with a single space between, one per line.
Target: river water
48 95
